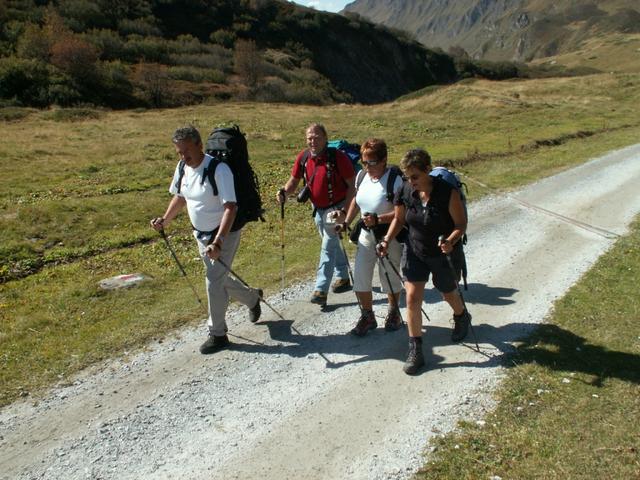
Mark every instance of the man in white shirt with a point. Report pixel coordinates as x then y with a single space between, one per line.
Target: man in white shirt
212 217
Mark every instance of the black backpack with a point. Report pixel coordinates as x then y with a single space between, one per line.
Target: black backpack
229 145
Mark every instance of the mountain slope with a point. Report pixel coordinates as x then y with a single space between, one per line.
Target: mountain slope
520 30
172 52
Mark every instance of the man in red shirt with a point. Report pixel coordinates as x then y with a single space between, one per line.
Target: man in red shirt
329 176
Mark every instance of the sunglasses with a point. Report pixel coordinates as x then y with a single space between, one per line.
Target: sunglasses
370 163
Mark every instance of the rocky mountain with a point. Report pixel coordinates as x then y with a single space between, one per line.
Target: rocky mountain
521 30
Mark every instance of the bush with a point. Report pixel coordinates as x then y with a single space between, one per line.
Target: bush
80 14
153 82
108 42
32 43
226 38
75 57
203 60
149 49
139 26
184 44
62 91
308 94
196 75
8 114
72 114
273 90
26 81
116 89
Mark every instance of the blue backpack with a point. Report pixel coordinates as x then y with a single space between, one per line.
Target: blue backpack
351 150
453 179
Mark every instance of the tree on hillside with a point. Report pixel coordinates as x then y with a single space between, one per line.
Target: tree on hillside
247 62
153 80
75 57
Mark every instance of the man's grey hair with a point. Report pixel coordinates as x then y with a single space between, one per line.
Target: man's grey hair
317 126
188 132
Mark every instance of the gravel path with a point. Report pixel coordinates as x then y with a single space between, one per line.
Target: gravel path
301 398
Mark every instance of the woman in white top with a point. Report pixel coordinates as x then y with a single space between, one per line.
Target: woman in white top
375 188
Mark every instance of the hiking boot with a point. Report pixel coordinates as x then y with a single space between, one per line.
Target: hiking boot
319 298
460 326
214 344
256 311
393 320
366 322
341 285
415 359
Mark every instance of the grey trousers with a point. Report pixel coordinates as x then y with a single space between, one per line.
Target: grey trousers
221 286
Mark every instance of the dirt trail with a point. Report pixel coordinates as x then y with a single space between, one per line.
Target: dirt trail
312 402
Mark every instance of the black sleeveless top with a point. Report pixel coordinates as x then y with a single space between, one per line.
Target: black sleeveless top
427 223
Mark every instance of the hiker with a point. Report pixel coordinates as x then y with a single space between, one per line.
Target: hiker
430 207
211 217
329 180
376 187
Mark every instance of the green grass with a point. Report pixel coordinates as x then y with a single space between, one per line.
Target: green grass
568 408
76 197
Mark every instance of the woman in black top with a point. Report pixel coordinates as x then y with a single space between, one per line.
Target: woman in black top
431 208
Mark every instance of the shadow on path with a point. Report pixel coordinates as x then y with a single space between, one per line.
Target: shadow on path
547 345
478 294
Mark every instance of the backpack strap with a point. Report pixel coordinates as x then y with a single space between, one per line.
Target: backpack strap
180 175
210 173
394 172
303 165
359 179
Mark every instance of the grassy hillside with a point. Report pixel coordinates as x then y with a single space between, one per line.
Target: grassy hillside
78 187
162 53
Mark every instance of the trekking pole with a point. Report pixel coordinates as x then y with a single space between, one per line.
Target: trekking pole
247 285
396 302
282 244
184 274
455 279
344 250
268 305
393 267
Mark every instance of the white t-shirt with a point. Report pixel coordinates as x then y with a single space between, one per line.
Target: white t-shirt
371 196
205 209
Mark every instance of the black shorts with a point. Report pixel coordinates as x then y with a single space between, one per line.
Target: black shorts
416 269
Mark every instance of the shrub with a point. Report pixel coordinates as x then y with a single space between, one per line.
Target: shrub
202 60
80 14
272 90
196 75
75 57
153 81
62 91
149 49
72 114
116 88
26 81
184 44
247 62
108 42
8 114
139 26
223 37
32 43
